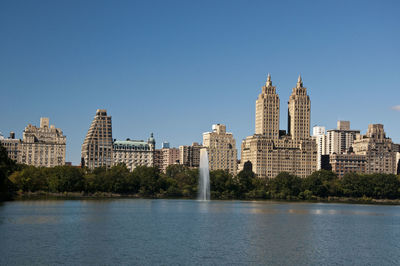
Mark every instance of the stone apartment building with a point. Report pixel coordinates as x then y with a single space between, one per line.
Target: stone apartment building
378 149
348 163
169 156
134 153
12 146
42 146
221 147
270 150
189 155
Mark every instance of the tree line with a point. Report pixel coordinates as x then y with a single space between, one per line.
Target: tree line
181 182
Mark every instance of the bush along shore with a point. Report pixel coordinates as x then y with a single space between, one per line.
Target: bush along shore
22 182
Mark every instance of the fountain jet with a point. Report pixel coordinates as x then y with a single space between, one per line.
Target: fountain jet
204 177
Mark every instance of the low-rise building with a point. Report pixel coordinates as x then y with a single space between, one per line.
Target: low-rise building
347 163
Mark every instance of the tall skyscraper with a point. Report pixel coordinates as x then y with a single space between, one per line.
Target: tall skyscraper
270 151
320 139
98 144
42 146
267 111
221 147
299 112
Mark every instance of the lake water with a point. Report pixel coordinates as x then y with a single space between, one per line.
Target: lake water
186 232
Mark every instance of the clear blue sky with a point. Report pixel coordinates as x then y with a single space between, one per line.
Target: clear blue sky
177 67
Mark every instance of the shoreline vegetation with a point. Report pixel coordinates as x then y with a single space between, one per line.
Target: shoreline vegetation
20 182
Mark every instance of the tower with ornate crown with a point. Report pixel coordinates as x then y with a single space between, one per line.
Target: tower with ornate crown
271 150
299 112
267 111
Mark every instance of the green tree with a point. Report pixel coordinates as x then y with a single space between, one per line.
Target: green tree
7 166
284 186
321 183
65 179
30 179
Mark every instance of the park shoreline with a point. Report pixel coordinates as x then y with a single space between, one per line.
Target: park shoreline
43 195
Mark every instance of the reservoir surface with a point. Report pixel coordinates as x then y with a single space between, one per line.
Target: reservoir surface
189 232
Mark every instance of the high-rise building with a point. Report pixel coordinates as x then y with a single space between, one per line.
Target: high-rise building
12 146
221 147
267 111
189 155
98 144
158 159
341 139
334 141
271 151
320 139
299 112
378 149
169 156
134 153
42 146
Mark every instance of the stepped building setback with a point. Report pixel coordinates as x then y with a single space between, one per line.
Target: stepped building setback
270 150
378 150
98 144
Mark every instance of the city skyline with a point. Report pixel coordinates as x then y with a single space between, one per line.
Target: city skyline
201 67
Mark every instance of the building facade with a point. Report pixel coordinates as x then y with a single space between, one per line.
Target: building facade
348 163
134 153
320 138
270 150
267 111
98 144
42 146
12 146
169 156
221 147
378 150
189 155
339 140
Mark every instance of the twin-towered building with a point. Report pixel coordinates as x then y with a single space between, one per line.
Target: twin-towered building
271 150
